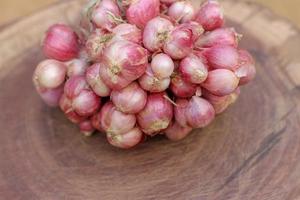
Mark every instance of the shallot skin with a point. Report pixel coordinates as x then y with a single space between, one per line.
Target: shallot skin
182 11
86 128
157 114
180 43
51 96
128 32
156 33
175 132
61 43
49 74
222 57
199 112
220 36
126 140
182 88
151 83
123 62
162 65
131 99
96 83
142 11
246 70
114 121
76 67
96 43
193 70
179 112
210 15
106 14
65 104
221 82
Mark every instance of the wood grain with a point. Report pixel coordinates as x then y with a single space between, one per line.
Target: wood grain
250 152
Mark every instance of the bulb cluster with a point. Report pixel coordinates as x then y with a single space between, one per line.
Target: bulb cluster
137 68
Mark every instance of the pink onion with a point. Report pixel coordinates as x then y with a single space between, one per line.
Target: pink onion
51 96
175 132
83 100
86 128
128 32
131 99
157 114
74 86
156 33
222 57
199 112
106 14
94 80
210 15
151 83
220 104
123 62
96 121
195 27
179 43
49 74
126 140
193 70
162 65
179 112
86 103
246 68
66 106
142 11
220 36
114 121
182 11
180 87
61 43
200 55
96 43
221 82
76 67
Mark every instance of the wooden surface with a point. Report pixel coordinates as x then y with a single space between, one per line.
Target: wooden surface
14 9
251 152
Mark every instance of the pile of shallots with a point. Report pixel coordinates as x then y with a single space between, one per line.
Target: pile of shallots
136 68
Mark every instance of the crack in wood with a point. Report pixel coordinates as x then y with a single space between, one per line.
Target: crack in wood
268 143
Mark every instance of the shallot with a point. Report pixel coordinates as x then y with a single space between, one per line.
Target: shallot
61 43
157 114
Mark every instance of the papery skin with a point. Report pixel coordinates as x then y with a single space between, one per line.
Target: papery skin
199 112
126 140
96 83
221 82
123 62
142 11
102 14
175 132
210 15
193 70
156 33
114 121
131 99
61 43
157 114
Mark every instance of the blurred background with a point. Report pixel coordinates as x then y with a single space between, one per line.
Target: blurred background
12 10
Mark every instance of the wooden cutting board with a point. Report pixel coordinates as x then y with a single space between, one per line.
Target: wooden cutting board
250 152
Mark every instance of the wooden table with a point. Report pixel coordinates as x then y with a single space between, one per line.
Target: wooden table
251 152
14 9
